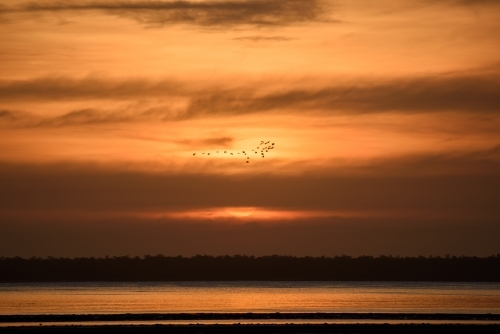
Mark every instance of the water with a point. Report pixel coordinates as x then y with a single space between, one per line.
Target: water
221 297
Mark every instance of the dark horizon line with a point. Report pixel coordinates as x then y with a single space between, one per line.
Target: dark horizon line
245 256
250 268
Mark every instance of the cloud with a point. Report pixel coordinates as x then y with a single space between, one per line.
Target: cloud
433 93
458 185
470 92
8 115
474 2
61 208
200 13
61 88
208 142
18 118
83 117
71 236
264 38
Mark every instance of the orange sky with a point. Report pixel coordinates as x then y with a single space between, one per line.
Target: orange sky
384 114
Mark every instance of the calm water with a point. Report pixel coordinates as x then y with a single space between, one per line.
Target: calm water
174 297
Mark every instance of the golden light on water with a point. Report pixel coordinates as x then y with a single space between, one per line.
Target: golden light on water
256 297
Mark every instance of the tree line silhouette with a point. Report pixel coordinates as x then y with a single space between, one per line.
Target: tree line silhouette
240 267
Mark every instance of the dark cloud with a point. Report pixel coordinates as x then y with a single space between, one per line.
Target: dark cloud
74 237
9 115
434 93
200 13
465 92
483 161
84 117
18 118
60 88
95 116
466 185
474 2
62 209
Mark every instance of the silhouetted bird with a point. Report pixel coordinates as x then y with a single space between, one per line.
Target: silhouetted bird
265 148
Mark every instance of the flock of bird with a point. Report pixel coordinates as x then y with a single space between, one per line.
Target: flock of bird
264 147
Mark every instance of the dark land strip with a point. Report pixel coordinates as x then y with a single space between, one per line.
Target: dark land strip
37 318
250 268
337 328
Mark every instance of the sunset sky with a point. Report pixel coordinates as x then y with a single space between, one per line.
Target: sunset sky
385 117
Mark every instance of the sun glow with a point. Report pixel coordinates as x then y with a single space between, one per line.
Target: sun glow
240 212
248 214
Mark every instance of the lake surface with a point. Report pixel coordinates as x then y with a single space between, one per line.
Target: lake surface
193 297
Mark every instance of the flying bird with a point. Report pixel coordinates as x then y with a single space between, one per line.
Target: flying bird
264 148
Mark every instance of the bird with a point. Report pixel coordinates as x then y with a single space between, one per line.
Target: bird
266 146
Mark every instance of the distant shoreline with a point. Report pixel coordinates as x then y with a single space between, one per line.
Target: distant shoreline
249 268
337 328
246 316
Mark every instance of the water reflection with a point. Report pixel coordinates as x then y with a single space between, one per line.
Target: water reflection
176 297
